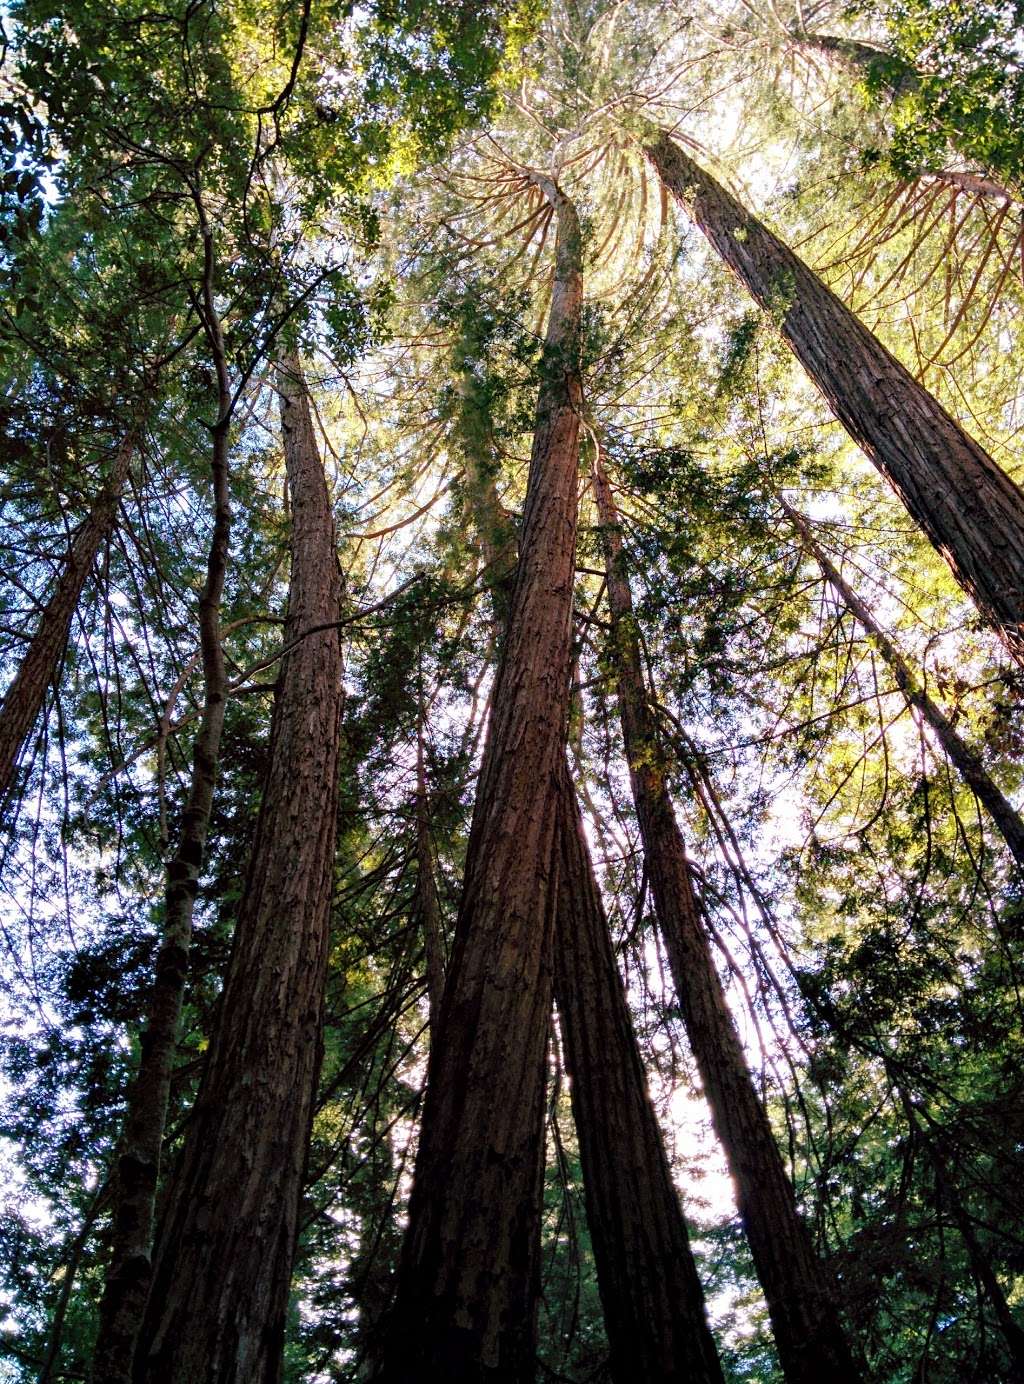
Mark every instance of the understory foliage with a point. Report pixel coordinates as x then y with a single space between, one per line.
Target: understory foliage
185 196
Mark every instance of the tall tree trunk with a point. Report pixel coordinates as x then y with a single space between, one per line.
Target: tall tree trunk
796 1286
967 760
24 699
468 1283
971 510
651 1294
427 903
137 1166
136 1171
217 1305
653 1301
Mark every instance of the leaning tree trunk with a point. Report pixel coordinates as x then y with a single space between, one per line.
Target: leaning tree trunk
651 1294
219 1295
137 1166
967 760
971 511
796 1286
468 1284
24 699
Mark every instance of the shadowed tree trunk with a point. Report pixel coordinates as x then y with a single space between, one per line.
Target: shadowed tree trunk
967 761
136 1171
796 1286
219 1295
23 701
137 1166
652 1297
427 904
931 1140
468 1283
971 511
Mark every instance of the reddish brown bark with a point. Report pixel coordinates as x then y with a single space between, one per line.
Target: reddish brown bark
967 760
217 1305
652 1297
136 1171
468 1283
23 701
654 1307
796 1286
137 1167
971 510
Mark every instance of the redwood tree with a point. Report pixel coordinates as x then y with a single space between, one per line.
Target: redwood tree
23 700
797 1286
136 1171
650 1290
223 1261
652 1297
468 1281
971 510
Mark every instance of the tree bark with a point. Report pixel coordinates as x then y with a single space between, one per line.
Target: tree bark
427 904
136 1171
137 1166
219 1295
23 701
971 510
966 759
468 1283
652 1297
654 1305
796 1286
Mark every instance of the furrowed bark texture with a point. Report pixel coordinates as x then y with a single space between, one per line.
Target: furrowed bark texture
967 760
652 1297
796 1286
654 1303
137 1169
971 511
24 699
217 1305
468 1284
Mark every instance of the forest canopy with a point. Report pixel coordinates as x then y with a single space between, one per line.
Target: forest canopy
511 647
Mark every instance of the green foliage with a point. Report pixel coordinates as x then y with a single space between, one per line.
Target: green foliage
966 90
868 917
